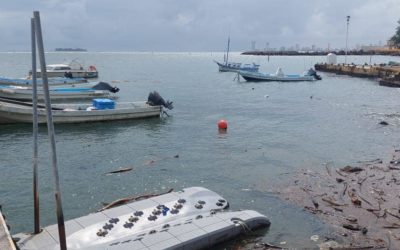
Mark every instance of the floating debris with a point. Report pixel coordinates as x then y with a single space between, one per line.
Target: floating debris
362 203
121 170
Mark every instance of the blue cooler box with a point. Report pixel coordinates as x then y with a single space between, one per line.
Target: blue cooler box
103 104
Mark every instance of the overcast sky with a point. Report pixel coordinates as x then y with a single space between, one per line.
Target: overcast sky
197 25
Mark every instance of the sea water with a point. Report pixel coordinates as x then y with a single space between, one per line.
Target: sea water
274 129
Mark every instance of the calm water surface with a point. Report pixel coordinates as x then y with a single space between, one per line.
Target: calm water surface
274 128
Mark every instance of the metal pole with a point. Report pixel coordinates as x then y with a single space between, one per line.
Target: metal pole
227 51
347 37
35 133
50 127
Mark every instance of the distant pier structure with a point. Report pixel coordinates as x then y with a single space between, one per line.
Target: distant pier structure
387 74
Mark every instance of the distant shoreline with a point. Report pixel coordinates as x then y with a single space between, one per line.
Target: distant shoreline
70 50
323 53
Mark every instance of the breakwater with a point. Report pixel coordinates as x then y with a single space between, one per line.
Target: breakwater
386 74
393 52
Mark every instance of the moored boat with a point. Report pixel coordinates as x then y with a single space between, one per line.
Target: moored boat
52 81
12 111
227 66
309 75
75 92
74 69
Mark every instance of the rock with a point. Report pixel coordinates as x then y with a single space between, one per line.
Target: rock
384 123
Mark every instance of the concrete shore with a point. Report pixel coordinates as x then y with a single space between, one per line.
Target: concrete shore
386 74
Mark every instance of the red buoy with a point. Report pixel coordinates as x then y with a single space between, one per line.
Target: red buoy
222 124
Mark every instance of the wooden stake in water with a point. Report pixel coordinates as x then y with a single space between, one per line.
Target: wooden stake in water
50 128
35 133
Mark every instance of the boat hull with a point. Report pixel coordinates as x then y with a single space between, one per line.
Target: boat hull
77 113
55 95
259 77
75 74
236 67
52 81
195 218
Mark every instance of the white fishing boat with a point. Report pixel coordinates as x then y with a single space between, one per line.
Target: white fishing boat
55 81
309 75
227 66
73 69
75 92
195 218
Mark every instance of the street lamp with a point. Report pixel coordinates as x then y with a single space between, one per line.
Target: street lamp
347 37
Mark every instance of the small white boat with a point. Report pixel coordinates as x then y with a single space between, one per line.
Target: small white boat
74 69
12 111
52 81
75 92
195 218
227 66
236 67
20 112
309 75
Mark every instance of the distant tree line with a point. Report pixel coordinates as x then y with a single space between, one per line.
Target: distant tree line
395 39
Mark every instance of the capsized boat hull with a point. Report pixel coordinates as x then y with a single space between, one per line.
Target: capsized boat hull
77 113
195 218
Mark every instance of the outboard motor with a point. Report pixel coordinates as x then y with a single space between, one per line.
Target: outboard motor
312 72
155 99
105 86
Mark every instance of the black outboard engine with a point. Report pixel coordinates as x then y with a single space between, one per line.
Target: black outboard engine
155 99
105 86
313 73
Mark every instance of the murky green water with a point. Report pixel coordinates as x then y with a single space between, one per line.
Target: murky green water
274 128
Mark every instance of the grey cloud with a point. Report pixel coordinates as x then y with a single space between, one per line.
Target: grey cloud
191 25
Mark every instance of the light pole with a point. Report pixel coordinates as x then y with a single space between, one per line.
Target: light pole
347 38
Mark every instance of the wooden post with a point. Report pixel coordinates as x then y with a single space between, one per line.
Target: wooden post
50 128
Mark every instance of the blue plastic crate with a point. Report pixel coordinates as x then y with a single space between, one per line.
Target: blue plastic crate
103 104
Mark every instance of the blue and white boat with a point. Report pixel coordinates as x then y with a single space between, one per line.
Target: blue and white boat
52 81
76 92
227 66
309 75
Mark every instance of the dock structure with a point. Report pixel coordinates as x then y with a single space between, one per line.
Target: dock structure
6 242
386 74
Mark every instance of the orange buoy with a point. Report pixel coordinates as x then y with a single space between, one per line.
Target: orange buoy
222 124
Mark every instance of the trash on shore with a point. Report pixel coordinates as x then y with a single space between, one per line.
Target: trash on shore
362 203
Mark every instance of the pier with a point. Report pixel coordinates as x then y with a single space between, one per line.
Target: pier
6 242
388 75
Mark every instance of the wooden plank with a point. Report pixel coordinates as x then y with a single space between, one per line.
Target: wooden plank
6 242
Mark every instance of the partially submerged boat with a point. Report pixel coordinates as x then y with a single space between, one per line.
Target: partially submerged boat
52 81
76 92
227 66
309 75
195 218
73 69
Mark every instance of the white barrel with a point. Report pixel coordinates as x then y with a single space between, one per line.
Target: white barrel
331 58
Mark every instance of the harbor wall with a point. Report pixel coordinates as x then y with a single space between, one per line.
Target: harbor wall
386 74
